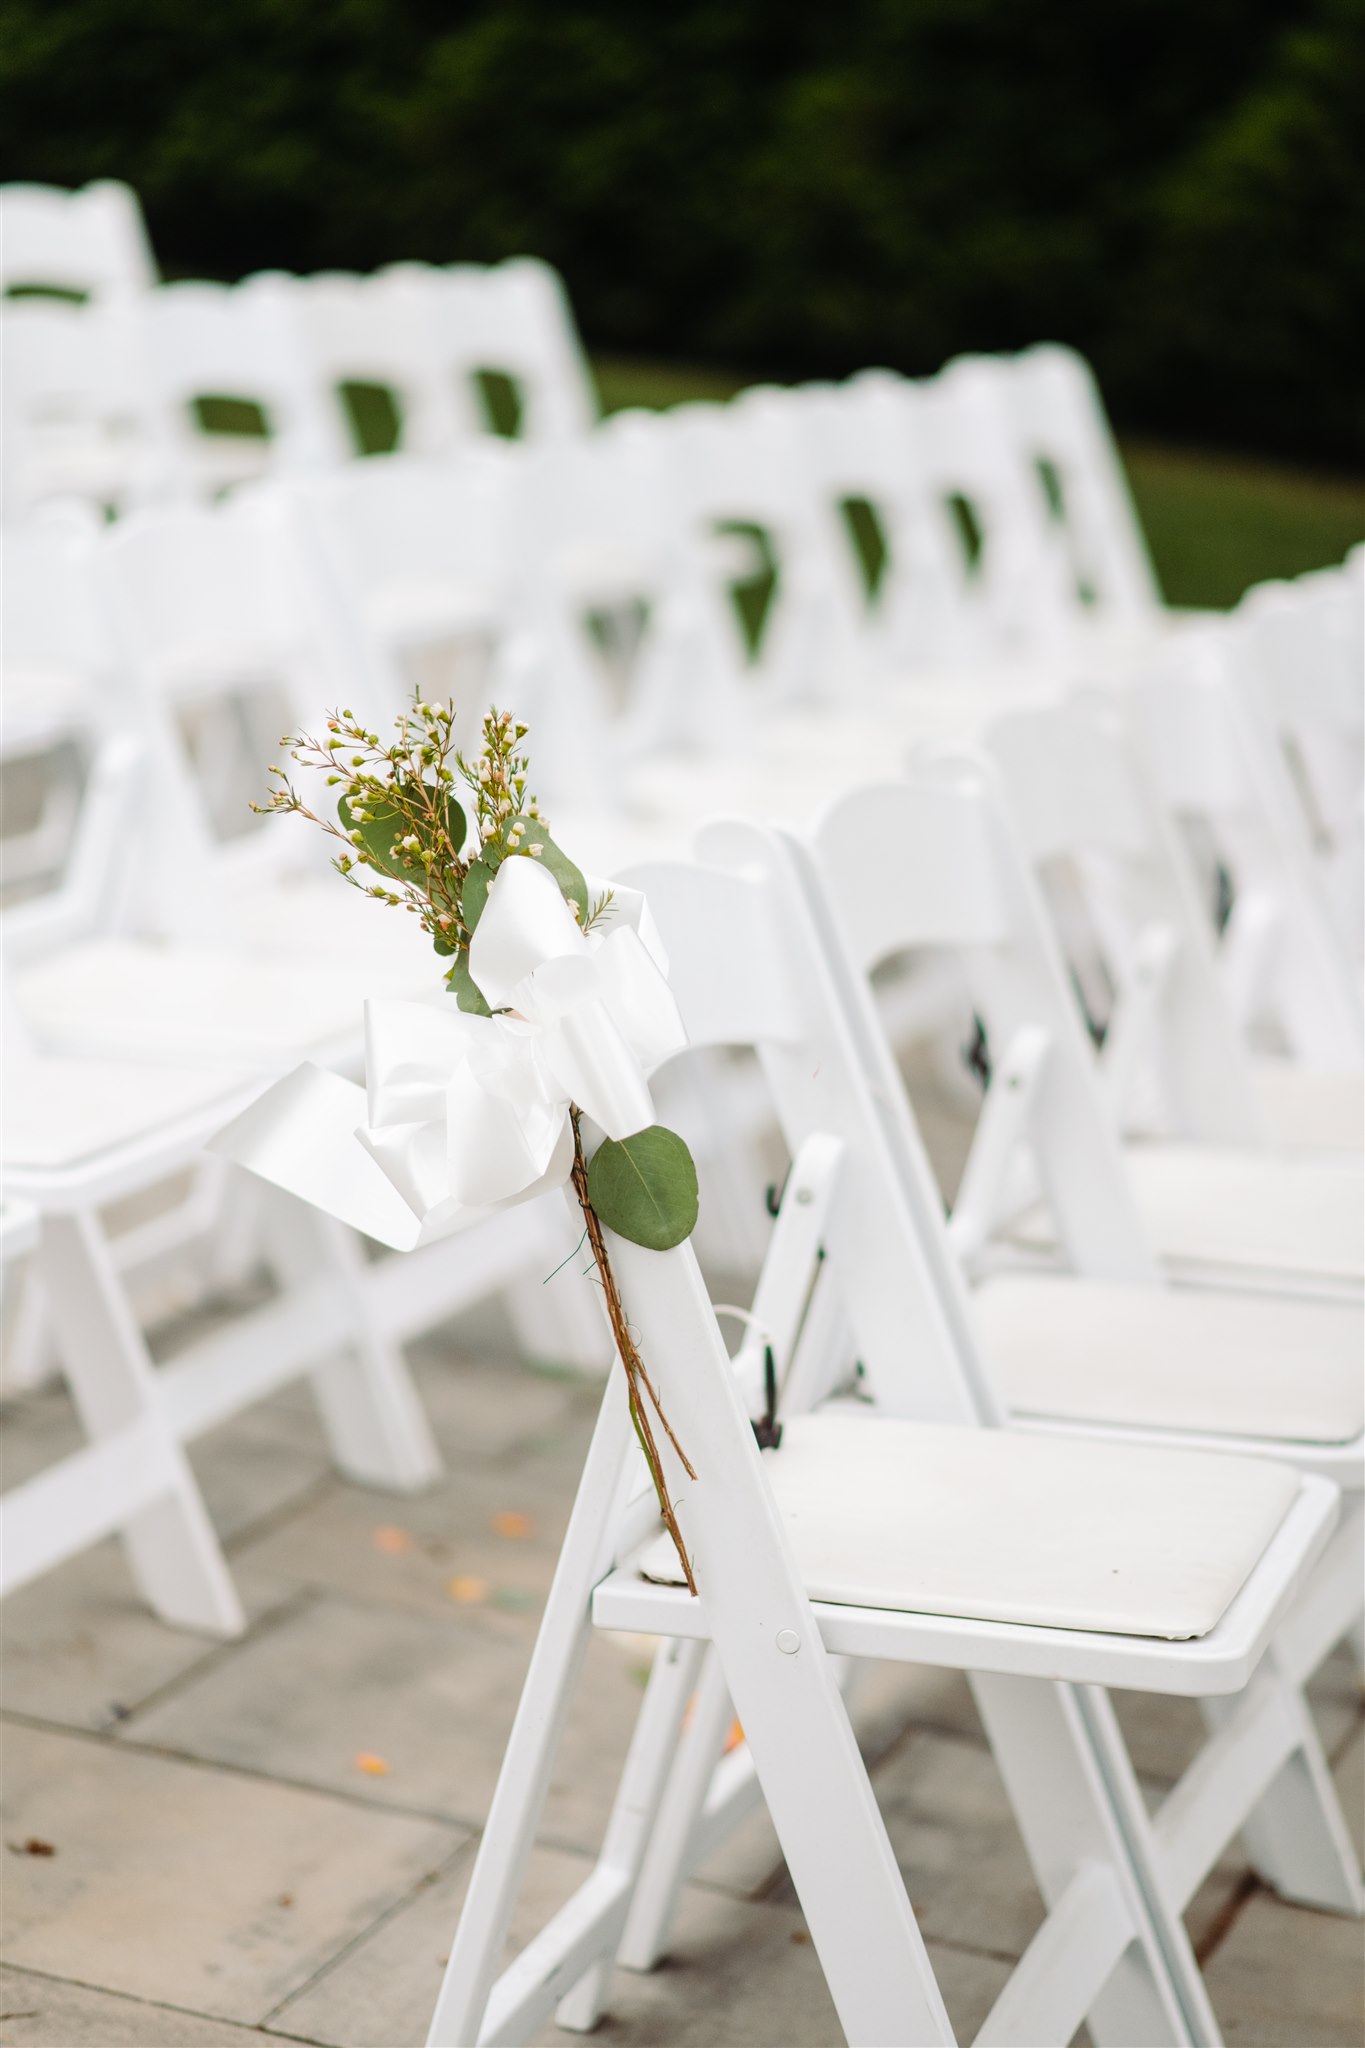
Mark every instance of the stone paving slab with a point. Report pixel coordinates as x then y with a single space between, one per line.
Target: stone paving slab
430 1695
197 1888
45 2012
405 1552
82 1651
738 1972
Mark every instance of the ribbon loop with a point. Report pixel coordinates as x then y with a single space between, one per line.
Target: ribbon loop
463 1113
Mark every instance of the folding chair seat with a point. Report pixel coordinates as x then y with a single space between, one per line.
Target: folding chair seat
859 1544
90 243
1203 1365
919 1518
78 1136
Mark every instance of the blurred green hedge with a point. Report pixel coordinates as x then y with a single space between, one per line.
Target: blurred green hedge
1176 186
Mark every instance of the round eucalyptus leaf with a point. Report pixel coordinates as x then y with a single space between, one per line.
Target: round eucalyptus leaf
572 886
378 832
465 989
474 892
645 1187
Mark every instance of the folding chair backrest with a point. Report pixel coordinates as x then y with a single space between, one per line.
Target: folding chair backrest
509 351
1211 760
230 366
82 421
748 545
900 572
369 340
91 242
931 861
1076 792
224 637
746 968
1066 440
1015 584
420 555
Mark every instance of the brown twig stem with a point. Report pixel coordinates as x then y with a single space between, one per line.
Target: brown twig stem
638 1381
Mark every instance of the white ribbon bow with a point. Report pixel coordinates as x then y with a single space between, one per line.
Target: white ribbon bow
462 1113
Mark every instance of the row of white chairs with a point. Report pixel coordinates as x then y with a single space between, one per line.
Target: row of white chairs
190 388
185 639
932 860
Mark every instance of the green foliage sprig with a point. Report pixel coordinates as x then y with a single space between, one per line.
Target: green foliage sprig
407 840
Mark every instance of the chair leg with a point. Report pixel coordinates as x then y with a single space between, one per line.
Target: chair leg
670 1856
1132 1973
636 1807
374 1418
174 1553
1295 1835
495 1882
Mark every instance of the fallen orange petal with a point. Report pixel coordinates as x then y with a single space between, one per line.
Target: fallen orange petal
467 1591
511 1524
372 1766
734 1738
393 1542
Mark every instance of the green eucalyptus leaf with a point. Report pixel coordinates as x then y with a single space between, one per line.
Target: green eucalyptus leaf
474 892
378 832
444 947
464 988
645 1187
572 886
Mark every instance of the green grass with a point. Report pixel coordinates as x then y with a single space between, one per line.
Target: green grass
1214 523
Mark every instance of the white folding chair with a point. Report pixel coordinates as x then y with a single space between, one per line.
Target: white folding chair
858 1544
239 344
1065 438
1304 648
1208 754
415 559
376 331
505 339
1078 793
89 243
82 420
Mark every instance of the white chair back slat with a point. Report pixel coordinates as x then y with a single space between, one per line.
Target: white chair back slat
378 331
1066 438
512 320
91 242
82 419
989 910
1076 791
240 343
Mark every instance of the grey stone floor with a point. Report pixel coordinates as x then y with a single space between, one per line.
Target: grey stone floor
223 1862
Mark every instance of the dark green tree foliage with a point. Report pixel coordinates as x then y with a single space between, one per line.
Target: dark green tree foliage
1176 186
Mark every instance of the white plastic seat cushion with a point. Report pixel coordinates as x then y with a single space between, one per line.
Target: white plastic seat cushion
989 1525
1157 1358
1239 1211
187 1003
307 917
1319 1108
64 1113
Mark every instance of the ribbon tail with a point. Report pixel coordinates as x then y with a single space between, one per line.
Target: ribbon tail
301 1136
